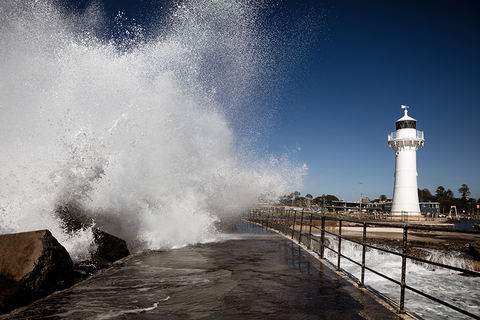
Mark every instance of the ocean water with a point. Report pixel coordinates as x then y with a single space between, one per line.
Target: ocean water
465 224
444 284
147 135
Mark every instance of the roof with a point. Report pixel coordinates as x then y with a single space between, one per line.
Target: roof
405 117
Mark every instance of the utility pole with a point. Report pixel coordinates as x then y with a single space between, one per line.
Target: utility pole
360 183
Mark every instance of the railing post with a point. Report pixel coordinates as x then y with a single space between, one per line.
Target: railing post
404 269
363 252
280 219
271 221
322 242
274 219
301 227
287 222
278 214
294 219
310 232
339 243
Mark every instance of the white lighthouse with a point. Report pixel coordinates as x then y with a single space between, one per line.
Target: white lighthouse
405 142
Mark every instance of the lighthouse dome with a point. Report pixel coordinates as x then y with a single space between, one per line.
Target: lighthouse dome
406 122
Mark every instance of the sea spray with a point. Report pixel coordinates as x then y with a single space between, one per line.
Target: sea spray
132 135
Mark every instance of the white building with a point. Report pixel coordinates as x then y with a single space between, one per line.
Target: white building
405 142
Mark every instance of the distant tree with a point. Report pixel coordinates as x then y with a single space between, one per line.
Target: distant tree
464 190
301 201
317 201
462 203
292 199
440 193
383 198
286 200
329 198
425 195
449 194
445 197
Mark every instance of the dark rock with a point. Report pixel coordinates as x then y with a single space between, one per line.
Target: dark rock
14 295
32 265
474 250
110 247
416 253
109 250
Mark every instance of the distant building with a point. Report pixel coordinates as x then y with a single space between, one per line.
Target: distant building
354 206
379 206
430 209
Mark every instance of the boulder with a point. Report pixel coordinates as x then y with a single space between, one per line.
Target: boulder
110 247
109 250
32 265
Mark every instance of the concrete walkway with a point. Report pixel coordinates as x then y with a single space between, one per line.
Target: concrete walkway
253 274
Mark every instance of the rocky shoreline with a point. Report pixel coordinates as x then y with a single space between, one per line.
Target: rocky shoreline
34 264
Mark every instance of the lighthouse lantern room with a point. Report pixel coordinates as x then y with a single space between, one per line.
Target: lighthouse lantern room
405 142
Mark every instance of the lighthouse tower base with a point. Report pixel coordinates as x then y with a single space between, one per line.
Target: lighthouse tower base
405 194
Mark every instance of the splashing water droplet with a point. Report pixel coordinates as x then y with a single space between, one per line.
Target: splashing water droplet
132 135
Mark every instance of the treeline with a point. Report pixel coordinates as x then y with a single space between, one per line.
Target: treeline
296 200
447 199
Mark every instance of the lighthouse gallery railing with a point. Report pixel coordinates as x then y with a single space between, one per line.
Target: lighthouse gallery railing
288 221
418 135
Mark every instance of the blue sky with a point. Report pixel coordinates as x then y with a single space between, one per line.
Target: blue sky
378 55
347 67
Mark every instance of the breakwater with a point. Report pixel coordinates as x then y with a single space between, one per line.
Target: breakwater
404 282
253 273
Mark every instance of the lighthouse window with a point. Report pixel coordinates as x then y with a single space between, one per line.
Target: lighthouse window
407 125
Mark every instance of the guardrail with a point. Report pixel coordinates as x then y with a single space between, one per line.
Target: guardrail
288 221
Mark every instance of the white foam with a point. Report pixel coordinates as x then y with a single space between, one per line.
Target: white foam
441 283
137 133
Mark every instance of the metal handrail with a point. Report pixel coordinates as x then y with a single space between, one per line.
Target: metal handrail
257 217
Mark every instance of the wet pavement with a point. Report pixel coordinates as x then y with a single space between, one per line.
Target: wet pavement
253 274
